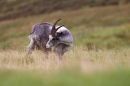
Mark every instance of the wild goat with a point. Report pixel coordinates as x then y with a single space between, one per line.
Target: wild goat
44 36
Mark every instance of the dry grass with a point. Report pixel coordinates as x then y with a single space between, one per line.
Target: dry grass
78 58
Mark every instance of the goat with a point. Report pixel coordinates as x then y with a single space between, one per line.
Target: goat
45 36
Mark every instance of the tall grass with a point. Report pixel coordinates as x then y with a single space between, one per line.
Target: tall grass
80 67
78 58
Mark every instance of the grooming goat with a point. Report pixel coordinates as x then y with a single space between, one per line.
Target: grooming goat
44 36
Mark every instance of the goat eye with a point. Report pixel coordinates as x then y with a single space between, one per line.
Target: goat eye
57 38
53 39
59 34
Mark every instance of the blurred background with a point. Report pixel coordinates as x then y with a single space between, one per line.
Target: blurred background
94 24
99 23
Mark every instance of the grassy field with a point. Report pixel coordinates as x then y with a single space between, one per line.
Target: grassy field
100 56
65 78
80 58
11 9
83 24
79 67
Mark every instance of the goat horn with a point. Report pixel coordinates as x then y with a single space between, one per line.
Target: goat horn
53 31
57 29
60 27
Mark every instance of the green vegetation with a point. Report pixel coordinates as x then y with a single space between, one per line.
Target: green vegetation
10 9
79 68
100 56
106 27
107 37
66 78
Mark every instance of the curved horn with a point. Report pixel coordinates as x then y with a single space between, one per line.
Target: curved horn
57 29
60 27
53 31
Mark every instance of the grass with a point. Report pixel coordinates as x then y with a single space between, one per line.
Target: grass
10 9
100 56
80 58
110 29
108 37
79 67
65 78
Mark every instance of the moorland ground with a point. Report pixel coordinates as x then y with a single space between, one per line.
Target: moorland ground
100 56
